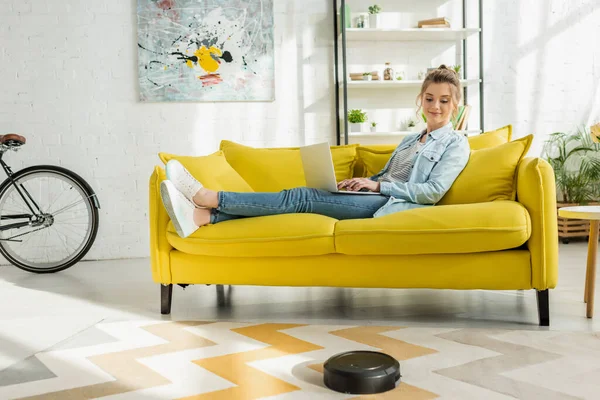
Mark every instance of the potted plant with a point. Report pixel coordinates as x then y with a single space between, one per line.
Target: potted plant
574 158
373 126
367 76
457 69
374 11
357 117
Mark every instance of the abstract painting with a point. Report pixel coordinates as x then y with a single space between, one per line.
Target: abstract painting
205 50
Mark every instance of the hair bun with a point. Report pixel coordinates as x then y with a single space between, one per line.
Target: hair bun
443 66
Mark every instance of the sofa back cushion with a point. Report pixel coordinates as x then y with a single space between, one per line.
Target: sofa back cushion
491 138
213 171
275 169
489 175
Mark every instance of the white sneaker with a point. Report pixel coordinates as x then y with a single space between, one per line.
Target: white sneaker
179 208
183 180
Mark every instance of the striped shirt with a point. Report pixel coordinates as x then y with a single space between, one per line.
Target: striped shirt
401 164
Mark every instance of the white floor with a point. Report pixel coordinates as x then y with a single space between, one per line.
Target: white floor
39 311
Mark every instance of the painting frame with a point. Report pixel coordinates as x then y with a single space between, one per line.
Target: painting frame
206 51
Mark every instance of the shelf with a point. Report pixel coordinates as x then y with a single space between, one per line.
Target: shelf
411 34
401 133
397 84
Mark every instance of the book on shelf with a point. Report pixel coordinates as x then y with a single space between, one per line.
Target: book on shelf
361 73
434 22
457 117
358 76
462 118
374 78
434 26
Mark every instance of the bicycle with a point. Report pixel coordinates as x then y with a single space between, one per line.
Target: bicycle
52 214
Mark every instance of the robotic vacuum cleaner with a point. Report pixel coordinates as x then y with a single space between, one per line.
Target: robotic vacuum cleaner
361 372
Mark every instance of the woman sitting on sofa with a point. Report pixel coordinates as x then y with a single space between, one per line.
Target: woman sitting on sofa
420 171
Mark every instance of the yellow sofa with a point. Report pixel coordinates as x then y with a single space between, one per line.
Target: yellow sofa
507 243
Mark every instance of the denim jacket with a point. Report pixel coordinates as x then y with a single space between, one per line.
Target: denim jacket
439 162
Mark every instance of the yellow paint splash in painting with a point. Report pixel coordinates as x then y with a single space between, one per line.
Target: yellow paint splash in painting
205 59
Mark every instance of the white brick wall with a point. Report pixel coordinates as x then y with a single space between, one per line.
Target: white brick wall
542 61
68 81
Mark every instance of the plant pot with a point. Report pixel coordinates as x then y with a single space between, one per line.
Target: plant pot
356 127
569 227
373 21
367 77
373 129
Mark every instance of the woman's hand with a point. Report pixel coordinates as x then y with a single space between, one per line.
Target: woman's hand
356 184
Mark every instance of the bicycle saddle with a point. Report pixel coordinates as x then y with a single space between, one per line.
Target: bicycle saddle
12 139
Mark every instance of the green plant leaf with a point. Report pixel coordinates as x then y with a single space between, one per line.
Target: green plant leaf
575 160
357 116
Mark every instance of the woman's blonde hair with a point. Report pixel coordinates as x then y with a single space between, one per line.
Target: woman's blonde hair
442 74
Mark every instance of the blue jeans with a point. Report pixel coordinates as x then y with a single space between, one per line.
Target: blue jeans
298 200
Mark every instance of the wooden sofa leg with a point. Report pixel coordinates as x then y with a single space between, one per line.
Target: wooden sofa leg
166 294
543 307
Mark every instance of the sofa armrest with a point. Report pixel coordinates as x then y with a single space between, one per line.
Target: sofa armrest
536 190
160 248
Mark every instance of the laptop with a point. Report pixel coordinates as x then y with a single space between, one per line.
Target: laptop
319 171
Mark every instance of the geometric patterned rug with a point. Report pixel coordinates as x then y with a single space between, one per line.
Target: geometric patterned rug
233 360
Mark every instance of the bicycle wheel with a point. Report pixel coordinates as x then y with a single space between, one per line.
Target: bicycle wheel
58 224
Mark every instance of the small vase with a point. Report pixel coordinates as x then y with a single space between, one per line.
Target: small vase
356 127
388 72
373 21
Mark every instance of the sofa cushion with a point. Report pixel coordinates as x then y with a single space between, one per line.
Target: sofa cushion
212 171
372 158
490 174
275 169
271 236
465 228
491 138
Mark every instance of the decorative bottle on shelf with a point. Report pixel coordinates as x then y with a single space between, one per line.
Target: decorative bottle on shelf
388 72
361 21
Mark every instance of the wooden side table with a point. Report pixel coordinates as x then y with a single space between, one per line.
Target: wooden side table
591 213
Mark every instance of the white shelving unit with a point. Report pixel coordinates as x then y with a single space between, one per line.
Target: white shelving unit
397 84
410 34
372 47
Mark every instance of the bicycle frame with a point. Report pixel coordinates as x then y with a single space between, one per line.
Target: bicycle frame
22 192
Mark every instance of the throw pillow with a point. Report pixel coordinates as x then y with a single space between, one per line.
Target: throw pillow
491 138
212 171
489 175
